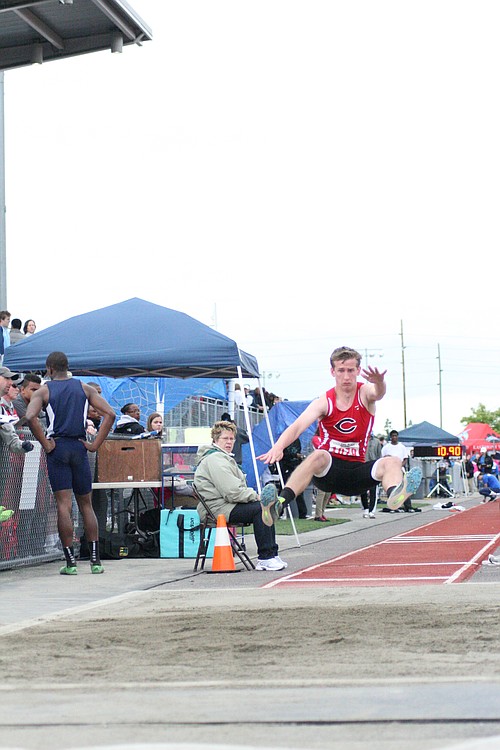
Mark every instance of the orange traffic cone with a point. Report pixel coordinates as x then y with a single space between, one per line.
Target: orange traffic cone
223 561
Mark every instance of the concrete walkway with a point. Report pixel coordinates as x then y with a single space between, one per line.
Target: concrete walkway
403 714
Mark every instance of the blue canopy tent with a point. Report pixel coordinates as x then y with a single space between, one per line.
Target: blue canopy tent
135 338
425 433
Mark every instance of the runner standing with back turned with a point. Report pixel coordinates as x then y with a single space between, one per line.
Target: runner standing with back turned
66 400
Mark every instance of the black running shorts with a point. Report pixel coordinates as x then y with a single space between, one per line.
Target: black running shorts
347 477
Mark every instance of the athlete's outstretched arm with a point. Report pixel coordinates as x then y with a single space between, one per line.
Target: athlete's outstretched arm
311 413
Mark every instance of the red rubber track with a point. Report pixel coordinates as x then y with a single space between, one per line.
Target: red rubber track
444 551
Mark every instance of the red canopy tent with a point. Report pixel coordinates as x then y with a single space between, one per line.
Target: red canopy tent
478 435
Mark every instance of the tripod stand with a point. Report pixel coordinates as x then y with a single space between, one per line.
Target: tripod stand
439 487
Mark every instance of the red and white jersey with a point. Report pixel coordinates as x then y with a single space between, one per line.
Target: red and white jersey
345 434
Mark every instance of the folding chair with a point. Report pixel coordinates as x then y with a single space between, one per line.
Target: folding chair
206 528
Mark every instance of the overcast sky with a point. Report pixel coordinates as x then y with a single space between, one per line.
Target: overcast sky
300 174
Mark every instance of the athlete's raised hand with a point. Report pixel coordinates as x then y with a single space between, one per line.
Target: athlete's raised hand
375 387
373 375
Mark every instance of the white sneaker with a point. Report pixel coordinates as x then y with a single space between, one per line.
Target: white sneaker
274 563
371 514
493 560
285 564
365 514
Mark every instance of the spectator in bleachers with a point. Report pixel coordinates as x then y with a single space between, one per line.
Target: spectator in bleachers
15 331
9 436
29 327
155 423
27 387
257 399
129 424
7 431
238 396
485 462
6 401
93 417
4 332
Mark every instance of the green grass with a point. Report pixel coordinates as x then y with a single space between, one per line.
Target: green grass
284 526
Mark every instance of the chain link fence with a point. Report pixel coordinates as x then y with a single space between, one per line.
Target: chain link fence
198 411
30 536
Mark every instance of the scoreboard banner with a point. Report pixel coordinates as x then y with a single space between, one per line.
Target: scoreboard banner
438 451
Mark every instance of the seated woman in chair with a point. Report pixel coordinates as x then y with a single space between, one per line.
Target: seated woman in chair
222 485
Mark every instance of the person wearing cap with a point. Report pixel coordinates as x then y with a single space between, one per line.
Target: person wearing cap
15 443
485 462
7 432
7 400
66 401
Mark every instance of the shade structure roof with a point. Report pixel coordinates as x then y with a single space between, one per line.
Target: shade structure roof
36 31
135 338
425 433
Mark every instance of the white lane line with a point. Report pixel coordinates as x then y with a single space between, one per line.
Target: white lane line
440 539
369 579
473 561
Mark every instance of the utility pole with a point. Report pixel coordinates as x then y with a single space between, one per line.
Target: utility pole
3 247
440 389
404 375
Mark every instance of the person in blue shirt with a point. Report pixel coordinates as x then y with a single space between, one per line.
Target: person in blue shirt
489 487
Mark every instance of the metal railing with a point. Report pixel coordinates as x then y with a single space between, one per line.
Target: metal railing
198 411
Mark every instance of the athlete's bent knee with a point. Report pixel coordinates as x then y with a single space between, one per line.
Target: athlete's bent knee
382 465
320 462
